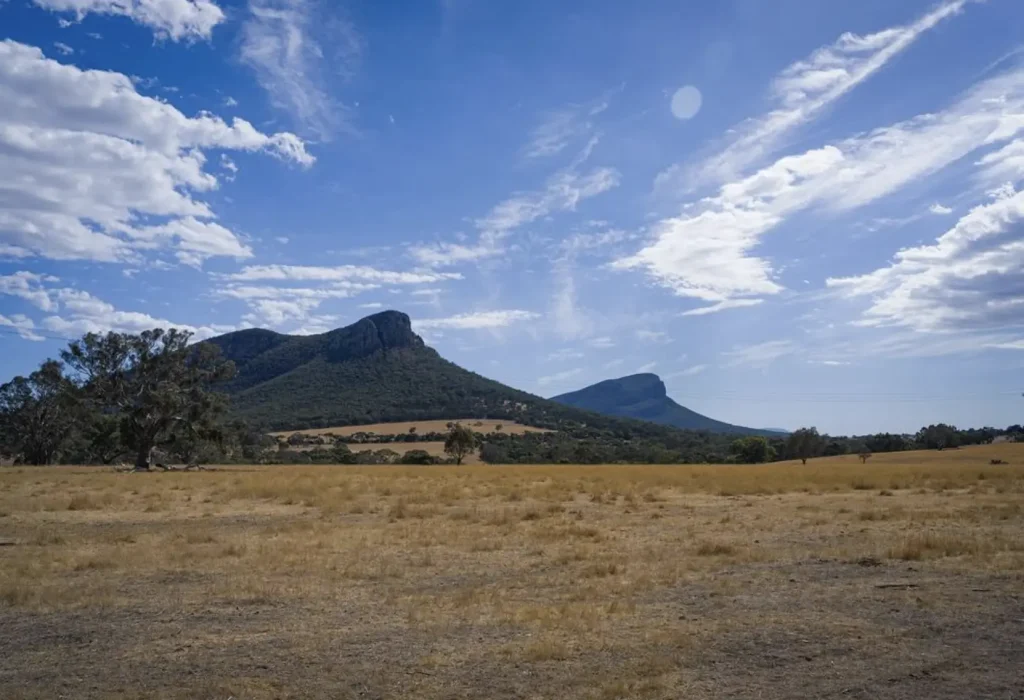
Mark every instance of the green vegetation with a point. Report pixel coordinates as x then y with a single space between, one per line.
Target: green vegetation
643 396
460 442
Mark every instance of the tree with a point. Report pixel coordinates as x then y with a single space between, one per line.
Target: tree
460 442
37 414
864 456
938 437
804 443
752 450
417 457
157 385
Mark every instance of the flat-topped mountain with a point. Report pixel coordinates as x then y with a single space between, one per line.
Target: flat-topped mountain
643 396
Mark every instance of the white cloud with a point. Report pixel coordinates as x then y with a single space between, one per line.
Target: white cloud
229 165
173 19
650 337
705 252
83 313
30 287
649 367
63 48
283 240
807 88
564 355
760 354
75 312
559 377
277 305
339 273
22 324
372 305
294 48
426 292
971 278
87 158
476 320
554 133
688 372
611 364
830 363
722 306
563 192
1009 345
939 209
601 342
230 101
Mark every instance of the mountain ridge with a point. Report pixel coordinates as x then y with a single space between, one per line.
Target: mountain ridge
644 397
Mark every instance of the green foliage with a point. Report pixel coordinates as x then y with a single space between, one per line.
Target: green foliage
37 415
752 450
417 457
461 441
643 396
938 437
156 384
803 444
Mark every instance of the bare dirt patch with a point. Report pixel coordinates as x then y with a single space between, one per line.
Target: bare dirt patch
518 582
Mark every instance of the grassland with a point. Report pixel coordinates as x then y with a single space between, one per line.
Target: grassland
899 578
422 426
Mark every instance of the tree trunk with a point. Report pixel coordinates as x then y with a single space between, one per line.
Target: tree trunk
144 457
804 460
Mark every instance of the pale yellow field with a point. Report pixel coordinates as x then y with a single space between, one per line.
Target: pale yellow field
422 426
901 578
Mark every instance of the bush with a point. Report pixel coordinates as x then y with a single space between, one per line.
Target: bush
418 457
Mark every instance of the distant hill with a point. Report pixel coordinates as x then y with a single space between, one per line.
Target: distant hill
378 370
643 396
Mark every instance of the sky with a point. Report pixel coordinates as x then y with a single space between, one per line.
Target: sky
795 213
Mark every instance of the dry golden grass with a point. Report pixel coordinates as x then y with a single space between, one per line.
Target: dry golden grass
533 581
422 426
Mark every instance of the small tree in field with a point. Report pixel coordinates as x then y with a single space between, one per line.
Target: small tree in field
804 444
460 442
864 457
157 385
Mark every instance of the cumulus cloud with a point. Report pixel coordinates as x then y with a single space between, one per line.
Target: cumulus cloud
971 278
939 209
293 46
21 324
476 320
806 89
171 19
87 160
74 312
705 253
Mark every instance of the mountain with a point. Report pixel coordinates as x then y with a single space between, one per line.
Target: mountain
376 370
643 396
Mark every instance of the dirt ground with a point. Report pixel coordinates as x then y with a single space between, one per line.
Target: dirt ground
901 578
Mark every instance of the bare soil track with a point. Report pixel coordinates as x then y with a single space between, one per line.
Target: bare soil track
902 578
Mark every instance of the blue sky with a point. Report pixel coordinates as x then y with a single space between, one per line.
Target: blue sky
796 213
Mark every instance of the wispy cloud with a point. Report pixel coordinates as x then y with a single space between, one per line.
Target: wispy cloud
559 377
688 372
806 89
339 273
722 306
296 48
939 209
476 320
705 253
759 354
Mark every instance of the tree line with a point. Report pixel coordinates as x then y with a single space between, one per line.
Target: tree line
134 397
